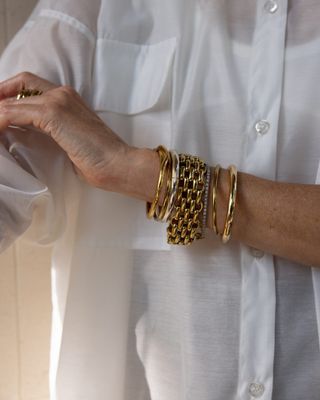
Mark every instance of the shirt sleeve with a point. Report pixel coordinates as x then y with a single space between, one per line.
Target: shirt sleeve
33 169
318 175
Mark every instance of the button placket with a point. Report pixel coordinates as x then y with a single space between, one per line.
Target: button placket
258 297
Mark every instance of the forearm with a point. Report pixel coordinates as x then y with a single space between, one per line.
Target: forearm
279 218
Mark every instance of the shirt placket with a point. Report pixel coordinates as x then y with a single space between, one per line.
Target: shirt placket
258 298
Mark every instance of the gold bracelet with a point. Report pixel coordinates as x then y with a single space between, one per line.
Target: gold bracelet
231 205
164 159
214 197
185 224
162 210
205 203
174 185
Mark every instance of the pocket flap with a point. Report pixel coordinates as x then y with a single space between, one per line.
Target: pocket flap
129 78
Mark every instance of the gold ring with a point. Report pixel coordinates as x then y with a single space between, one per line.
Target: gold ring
28 93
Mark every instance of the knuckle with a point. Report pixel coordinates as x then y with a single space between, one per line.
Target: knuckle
26 75
68 90
50 116
51 111
63 95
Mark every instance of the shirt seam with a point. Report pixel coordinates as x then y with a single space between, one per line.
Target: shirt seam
67 19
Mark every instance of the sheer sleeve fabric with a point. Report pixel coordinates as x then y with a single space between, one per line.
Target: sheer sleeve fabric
34 171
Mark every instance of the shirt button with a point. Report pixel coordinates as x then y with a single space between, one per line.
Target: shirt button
256 253
262 127
256 389
271 6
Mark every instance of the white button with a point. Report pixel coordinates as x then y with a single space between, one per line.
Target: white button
256 389
256 253
271 6
262 127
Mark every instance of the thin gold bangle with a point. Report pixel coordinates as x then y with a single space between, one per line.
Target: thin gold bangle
174 184
161 210
231 205
151 207
216 173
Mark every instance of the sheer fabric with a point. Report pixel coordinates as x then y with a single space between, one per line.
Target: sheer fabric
233 82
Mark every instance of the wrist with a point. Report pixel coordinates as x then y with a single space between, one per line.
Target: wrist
141 169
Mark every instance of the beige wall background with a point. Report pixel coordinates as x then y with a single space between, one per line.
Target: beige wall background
25 304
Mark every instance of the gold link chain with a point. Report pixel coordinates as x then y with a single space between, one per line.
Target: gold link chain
185 224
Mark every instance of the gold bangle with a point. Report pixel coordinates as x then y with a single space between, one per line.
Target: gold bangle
164 159
214 197
231 205
162 210
174 186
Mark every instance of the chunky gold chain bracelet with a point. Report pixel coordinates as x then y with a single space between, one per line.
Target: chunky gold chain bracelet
185 224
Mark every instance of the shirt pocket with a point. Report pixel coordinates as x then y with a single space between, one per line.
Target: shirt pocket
132 89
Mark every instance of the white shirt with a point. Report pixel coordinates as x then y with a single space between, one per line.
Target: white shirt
232 82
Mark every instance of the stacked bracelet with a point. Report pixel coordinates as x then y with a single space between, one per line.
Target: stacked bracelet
174 185
164 159
169 165
226 235
184 181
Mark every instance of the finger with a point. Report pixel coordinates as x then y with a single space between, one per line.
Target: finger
13 100
21 115
34 100
25 80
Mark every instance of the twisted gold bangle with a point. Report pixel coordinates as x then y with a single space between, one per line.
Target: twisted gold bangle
214 197
231 205
162 210
174 185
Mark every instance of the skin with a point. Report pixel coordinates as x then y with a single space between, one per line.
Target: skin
282 219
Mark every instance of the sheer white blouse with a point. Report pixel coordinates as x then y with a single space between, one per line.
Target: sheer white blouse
230 81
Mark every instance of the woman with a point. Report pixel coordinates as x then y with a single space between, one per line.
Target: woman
133 317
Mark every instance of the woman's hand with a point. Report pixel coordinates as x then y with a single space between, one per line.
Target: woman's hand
279 218
98 154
